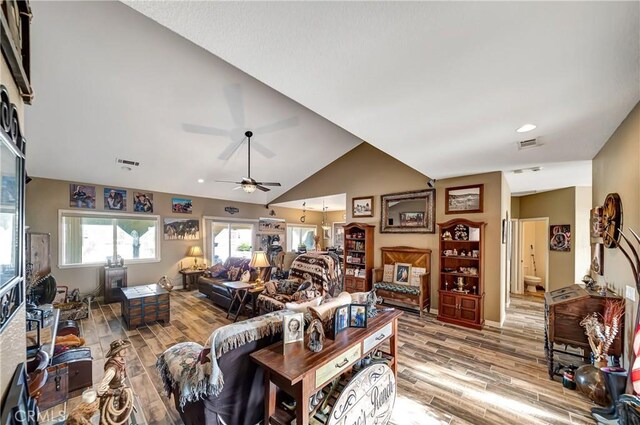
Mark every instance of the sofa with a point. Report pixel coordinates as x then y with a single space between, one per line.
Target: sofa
211 283
237 396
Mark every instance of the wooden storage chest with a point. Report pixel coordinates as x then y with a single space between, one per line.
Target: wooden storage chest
145 304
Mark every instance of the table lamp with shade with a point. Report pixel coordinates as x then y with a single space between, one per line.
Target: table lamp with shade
259 260
195 252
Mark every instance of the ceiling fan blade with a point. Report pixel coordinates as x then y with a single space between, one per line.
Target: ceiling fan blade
266 152
201 129
227 181
230 150
269 183
278 125
233 94
262 188
237 187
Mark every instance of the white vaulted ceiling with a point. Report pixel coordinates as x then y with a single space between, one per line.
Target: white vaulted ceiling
111 83
442 86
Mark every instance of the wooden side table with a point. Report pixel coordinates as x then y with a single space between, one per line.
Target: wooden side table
241 292
190 277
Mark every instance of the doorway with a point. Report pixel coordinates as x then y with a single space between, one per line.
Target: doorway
531 270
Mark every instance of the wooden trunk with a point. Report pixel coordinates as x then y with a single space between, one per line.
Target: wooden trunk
79 364
56 390
145 304
564 310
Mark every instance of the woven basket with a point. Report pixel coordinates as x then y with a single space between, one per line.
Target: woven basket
73 310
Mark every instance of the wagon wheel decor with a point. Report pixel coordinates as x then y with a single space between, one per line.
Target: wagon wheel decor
612 220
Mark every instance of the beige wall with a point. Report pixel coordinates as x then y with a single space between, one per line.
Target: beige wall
45 197
582 232
616 169
12 340
515 207
366 171
559 206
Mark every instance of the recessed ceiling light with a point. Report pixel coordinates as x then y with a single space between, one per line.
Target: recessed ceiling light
525 128
200 180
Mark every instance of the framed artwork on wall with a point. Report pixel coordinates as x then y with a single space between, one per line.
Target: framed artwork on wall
115 199
560 237
181 205
143 202
187 229
464 199
362 206
82 196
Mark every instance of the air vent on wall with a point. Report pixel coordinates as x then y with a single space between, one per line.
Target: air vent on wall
127 162
528 144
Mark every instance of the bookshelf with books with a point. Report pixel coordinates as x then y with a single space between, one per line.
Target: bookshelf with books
461 290
358 257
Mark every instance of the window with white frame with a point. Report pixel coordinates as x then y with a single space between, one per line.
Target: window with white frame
230 239
298 234
88 238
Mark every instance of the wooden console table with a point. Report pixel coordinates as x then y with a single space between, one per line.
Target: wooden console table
301 372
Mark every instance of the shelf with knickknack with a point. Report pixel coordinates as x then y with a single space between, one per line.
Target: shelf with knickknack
358 257
461 284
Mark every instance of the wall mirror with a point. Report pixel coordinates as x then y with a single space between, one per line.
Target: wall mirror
408 212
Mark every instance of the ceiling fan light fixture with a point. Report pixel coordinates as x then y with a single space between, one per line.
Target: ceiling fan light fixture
249 187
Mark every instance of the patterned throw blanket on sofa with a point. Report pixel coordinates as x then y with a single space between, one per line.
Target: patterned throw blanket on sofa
322 269
193 369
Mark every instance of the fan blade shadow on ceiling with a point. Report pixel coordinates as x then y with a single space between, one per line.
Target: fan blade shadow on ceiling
278 125
266 152
230 150
233 94
202 129
227 181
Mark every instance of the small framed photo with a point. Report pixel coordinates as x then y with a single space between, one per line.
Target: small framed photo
362 207
82 196
402 273
357 315
341 319
293 328
326 233
115 199
464 199
181 205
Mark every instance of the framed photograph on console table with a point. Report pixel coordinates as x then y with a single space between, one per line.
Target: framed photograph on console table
464 199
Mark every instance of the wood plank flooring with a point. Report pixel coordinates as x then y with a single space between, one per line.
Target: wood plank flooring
446 375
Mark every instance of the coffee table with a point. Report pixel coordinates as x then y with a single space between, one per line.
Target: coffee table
145 304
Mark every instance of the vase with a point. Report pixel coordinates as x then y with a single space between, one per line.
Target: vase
590 382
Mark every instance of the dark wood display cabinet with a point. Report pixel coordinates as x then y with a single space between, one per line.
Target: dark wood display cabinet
358 257
461 290
113 280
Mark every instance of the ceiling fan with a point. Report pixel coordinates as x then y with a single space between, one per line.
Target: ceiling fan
248 184
233 95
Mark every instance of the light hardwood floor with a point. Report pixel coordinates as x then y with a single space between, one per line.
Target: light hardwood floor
447 374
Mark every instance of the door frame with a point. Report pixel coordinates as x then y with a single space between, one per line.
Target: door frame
519 286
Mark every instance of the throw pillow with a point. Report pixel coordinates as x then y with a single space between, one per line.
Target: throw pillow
218 270
303 307
270 287
359 297
233 274
387 276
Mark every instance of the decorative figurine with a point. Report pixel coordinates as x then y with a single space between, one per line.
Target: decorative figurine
316 335
83 412
165 283
116 399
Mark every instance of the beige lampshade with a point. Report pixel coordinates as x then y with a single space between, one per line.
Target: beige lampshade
194 251
259 259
